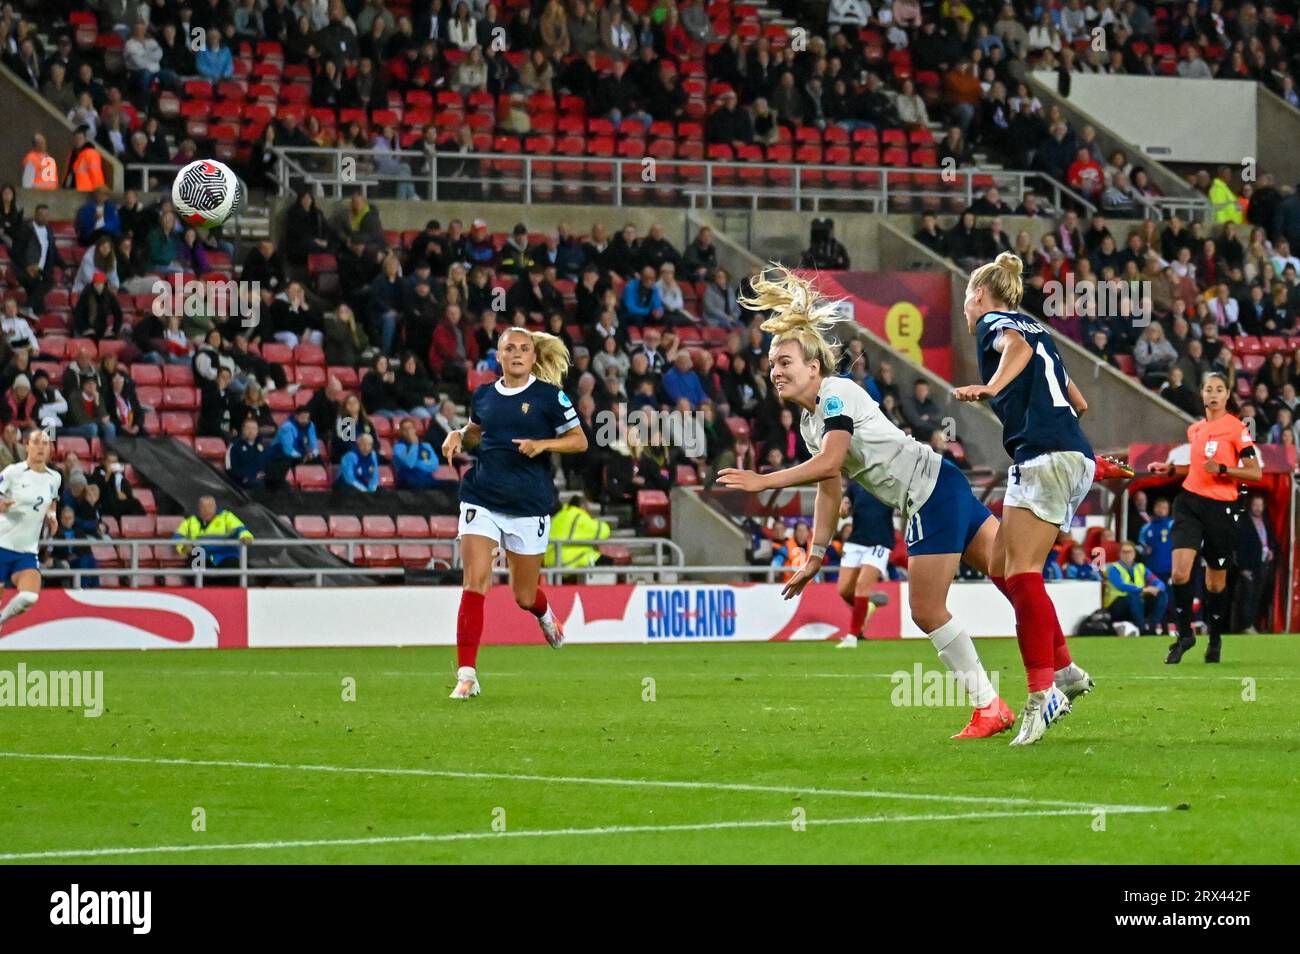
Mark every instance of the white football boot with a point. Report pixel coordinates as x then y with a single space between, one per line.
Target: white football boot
466 683
1073 681
551 628
1043 710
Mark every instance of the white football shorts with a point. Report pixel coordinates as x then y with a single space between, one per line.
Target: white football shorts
1051 486
855 555
524 535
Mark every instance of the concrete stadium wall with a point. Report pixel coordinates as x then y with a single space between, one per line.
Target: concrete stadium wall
26 113
1169 182
1278 132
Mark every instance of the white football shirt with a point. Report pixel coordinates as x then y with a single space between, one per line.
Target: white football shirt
896 469
32 493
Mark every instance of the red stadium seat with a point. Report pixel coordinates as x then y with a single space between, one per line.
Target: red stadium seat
378 526
311 477
210 448
311 526
653 510
344 525
444 527
412 526
138 528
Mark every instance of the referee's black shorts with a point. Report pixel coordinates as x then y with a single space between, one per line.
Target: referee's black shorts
1207 525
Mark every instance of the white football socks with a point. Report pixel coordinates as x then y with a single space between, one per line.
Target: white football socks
957 651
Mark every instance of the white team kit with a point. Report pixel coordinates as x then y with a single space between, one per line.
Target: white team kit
32 493
896 469
1051 486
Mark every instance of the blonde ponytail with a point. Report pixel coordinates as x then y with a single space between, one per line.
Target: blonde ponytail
552 357
1002 278
798 314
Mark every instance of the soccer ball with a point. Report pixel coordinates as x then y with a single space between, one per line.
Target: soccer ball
1126 629
206 193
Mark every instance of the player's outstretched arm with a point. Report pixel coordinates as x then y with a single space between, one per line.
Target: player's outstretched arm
823 465
825 510
1016 355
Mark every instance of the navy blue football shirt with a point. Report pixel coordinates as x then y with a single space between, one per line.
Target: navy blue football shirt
504 480
1035 410
873 522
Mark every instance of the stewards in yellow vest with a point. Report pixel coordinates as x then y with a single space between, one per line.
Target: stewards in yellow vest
1131 594
574 522
40 169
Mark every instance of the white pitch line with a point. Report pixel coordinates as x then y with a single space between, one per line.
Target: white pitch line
535 833
584 780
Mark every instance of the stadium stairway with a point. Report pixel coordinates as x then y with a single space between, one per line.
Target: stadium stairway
176 470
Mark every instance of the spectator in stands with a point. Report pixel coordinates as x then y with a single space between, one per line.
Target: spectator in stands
88 415
50 404
1154 355
219 408
346 422
124 406
116 496
254 405
36 258
921 411
359 469
165 245
96 217
414 388
215 62
454 350
247 458
700 258
202 531
295 443
670 293
265 265
11 216
642 301
1078 566
11 450
721 305
101 257
19 405
825 252
98 313
306 232
415 462
681 381
293 320
16 330
732 125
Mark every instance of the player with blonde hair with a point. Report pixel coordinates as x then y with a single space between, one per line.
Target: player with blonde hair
848 434
1052 470
507 497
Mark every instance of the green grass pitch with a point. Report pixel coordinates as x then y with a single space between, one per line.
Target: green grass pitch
747 753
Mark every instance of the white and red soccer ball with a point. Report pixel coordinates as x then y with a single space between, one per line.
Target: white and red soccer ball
206 193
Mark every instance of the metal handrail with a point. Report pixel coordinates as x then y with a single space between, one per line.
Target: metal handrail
804 179
667 556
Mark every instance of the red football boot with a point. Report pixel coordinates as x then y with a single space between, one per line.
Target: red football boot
987 722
